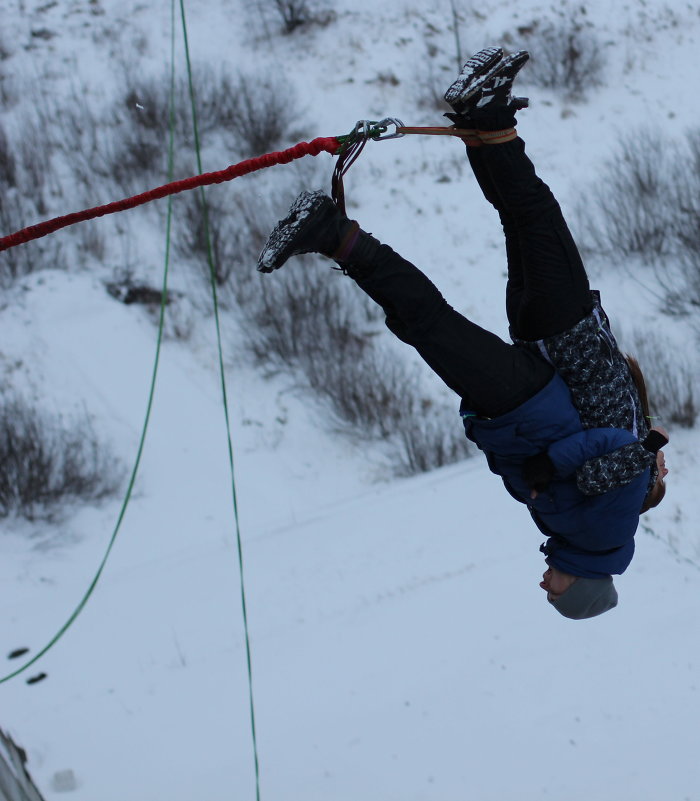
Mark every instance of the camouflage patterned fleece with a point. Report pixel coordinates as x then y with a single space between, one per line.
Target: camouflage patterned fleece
588 359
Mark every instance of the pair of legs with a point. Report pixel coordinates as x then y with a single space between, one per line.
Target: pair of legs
547 291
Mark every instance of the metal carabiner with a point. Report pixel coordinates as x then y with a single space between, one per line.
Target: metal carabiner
384 124
362 129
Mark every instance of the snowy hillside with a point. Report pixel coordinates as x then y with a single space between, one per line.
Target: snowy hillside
401 647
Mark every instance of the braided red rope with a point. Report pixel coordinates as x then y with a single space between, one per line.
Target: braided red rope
327 144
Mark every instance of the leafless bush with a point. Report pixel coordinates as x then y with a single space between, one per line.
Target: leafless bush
16 213
8 94
648 205
313 326
84 137
634 199
295 14
428 436
430 81
300 316
34 161
375 396
264 109
137 158
147 103
47 463
565 56
25 156
238 222
361 385
206 227
8 170
307 322
671 380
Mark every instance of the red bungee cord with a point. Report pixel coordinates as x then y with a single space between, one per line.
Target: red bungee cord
347 148
327 144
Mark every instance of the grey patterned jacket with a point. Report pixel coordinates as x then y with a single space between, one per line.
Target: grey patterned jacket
589 360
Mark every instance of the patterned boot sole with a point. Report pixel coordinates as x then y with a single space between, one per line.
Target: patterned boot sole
497 89
287 237
503 72
479 64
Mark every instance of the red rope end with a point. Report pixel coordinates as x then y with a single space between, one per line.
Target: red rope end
323 144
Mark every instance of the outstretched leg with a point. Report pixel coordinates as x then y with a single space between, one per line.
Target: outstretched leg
492 376
547 290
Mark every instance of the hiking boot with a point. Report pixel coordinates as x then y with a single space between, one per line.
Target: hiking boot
314 224
497 90
491 87
479 64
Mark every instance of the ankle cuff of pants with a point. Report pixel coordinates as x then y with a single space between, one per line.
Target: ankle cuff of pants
470 137
497 137
347 242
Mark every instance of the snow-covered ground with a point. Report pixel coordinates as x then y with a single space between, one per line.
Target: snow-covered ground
402 649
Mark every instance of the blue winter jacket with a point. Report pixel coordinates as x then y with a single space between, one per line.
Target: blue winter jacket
589 535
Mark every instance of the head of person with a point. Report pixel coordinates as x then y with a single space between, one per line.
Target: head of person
577 597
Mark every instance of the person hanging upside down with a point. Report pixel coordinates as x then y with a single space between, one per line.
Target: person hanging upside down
560 413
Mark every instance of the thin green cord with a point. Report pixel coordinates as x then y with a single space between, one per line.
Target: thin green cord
132 480
222 373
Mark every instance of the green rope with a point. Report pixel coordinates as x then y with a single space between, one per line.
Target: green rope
132 479
222 374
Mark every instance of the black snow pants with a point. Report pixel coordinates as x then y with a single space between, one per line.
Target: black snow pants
547 291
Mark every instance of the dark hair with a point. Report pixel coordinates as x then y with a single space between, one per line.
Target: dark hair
654 497
657 492
640 384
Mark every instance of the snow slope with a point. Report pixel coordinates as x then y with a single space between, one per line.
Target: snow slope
402 650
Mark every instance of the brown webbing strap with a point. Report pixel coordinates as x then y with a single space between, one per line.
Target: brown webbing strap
435 131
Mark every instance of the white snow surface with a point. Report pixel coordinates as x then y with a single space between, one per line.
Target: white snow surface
402 649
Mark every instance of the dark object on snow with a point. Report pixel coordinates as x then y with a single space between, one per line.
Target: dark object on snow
129 293
36 679
17 653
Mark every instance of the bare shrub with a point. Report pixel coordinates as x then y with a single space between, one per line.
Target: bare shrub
685 223
298 316
8 170
375 396
25 160
430 81
250 114
566 56
670 378
206 226
16 213
633 200
648 205
307 322
239 222
311 325
48 463
84 138
146 102
295 14
8 93
34 162
428 435
137 157
264 109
